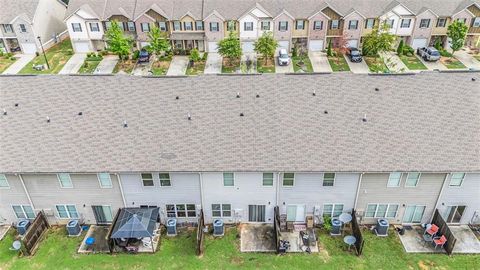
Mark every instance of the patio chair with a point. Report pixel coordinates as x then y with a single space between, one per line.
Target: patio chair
439 241
433 230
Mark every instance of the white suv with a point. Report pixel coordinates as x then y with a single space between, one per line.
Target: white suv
283 58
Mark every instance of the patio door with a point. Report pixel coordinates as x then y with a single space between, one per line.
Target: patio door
256 213
103 214
454 213
413 214
296 213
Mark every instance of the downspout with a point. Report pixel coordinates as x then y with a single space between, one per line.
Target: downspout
358 191
277 190
440 193
26 192
121 189
201 190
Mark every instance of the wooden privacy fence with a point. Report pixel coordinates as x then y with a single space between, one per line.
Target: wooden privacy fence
357 233
110 241
276 227
35 233
200 234
444 230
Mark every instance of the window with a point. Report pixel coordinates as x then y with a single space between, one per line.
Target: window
328 179
162 26
317 25
3 181
121 25
221 210
145 27
369 23
199 26
76 27
283 26
463 20
300 25
214 27
131 26
105 180
188 26
231 26
228 179
392 211
288 179
390 23
412 179
23 211
476 22
165 179
332 210
441 22
405 23
424 23
456 179
108 25
23 29
248 26
394 179
65 180
381 210
94 27
177 26
147 180
267 179
8 28
334 24
265 26
66 211
181 210
353 24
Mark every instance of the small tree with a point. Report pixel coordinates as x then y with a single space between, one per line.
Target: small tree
230 48
117 42
329 47
438 44
457 32
400 48
266 46
194 55
379 40
158 41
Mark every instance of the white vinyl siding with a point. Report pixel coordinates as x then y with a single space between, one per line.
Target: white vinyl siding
328 179
65 180
228 179
23 211
394 179
3 181
456 179
147 180
405 23
412 179
94 27
104 180
332 210
181 210
288 179
221 210
165 180
66 211
381 210
267 179
76 27
353 24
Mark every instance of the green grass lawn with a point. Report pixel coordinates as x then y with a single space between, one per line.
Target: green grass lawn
298 67
376 64
5 63
338 63
90 64
262 68
412 62
57 56
452 63
228 68
477 57
198 67
160 67
57 251
125 66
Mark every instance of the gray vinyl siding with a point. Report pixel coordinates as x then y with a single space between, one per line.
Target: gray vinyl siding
27 37
308 189
45 191
184 189
248 190
373 190
14 195
467 194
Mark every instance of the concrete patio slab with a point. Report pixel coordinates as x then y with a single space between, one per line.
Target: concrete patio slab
107 65
468 60
296 243
100 234
4 230
257 238
394 63
213 65
467 242
433 65
178 66
361 67
319 62
74 64
22 61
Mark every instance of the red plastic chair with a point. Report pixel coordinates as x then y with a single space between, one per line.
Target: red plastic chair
433 230
439 241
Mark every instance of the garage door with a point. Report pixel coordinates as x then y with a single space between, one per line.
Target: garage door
212 47
247 47
81 47
28 48
315 45
284 44
419 43
352 43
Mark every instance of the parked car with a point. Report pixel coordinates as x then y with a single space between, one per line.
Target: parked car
429 53
143 56
283 58
354 55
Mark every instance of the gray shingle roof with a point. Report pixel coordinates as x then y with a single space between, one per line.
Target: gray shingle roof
424 122
96 6
10 9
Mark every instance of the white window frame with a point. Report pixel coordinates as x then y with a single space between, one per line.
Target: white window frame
375 214
464 20
67 211
476 22
100 181
399 179
199 26
162 26
145 27
405 20
334 179
336 25
169 179
263 179
3 177
77 30
283 179
23 28
353 27
8 28
368 25
443 24
175 24
300 25
461 182
190 26
223 179
418 180
390 23
97 27
283 26
248 26
143 183
427 23
177 211
22 206
333 209
60 181
317 25
222 215
214 27
265 23
131 26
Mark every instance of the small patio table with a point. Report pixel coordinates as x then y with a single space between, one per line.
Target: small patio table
427 239
349 240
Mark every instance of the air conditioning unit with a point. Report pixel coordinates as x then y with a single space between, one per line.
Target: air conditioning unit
381 229
218 227
336 227
171 227
74 228
22 226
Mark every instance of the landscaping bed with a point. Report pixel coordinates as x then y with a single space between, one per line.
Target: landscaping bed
376 64
412 62
338 63
452 63
262 68
6 59
198 66
125 66
90 63
57 56
160 67
302 64
228 67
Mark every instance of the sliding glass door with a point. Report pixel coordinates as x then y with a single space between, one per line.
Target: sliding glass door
413 214
103 214
454 213
256 213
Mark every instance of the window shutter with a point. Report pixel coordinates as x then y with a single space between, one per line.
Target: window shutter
286 25
245 26
279 26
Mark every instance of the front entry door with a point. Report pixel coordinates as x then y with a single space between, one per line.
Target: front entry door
454 213
256 213
414 214
103 214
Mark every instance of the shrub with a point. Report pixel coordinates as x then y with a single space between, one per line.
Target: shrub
407 50
445 53
438 44
294 52
1 53
135 54
204 57
194 55
400 49
13 58
69 52
329 48
327 223
8 55
104 52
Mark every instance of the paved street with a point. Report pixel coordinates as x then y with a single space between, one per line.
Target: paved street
393 62
468 60
213 65
74 64
361 67
319 62
21 62
178 66
107 65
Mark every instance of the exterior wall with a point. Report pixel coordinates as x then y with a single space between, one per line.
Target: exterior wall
225 27
48 19
463 14
248 190
214 36
13 195
283 35
27 37
45 191
467 194
424 32
185 189
440 30
391 16
300 33
373 189
248 35
317 34
366 31
308 190
77 36
353 33
143 36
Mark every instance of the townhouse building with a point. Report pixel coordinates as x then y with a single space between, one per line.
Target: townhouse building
24 24
243 149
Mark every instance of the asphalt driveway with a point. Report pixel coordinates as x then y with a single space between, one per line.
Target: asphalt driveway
213 65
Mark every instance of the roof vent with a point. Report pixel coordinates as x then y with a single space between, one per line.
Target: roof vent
80 113
325 112
364 119
48 119
125 124
238 94
473 79
177 97
258 95
16 104
189 117
241 114
376 89
314 92
4 111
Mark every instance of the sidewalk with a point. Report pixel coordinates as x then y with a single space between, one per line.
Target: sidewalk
19 64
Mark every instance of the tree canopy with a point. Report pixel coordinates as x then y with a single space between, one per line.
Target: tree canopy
266 46
379 40
457 32
229 47
117 42
158 41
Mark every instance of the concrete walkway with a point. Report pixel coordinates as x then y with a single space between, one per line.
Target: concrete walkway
393 62
21 62
213 65
107 65
361 67
142 69
178 66
253 63
283 69
74 64
319 62
433 65
468 60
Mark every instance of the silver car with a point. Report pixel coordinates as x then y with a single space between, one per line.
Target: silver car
428 53
283 58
